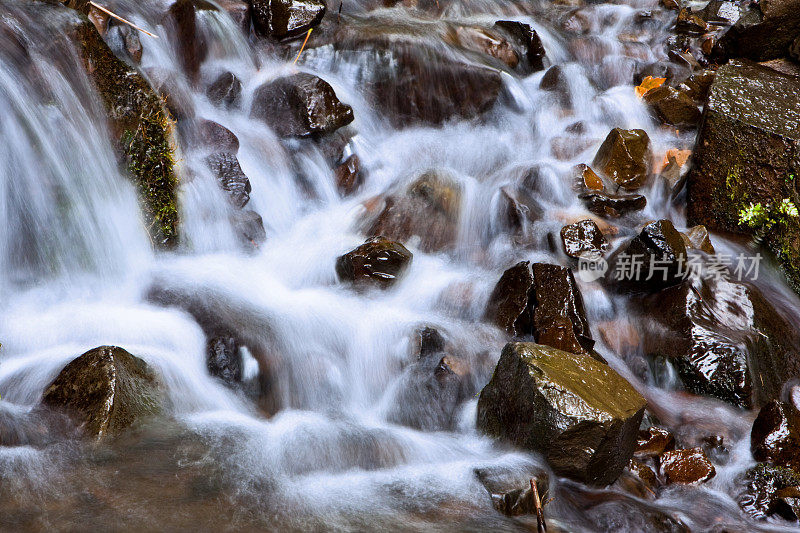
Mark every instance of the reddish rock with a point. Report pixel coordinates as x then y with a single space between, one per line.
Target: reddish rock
653 442
775 436
348 175
686 466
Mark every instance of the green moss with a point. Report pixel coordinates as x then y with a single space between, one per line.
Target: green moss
141 128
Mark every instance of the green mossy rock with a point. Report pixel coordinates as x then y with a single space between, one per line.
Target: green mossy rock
577 411
748 152
141 130
105 391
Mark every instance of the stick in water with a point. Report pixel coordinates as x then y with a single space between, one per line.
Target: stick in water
304 45
541 527
128 22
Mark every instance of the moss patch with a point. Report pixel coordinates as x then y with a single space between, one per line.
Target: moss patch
141 128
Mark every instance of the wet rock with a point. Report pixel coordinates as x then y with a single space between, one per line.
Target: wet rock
770 490
348 175
576 411
775 436
583 239
555 81
250 226
239 12
794 49
224 360
625 157
378 262
429 209
231 178
281 19
510 490
518 208
764 31
690 23
486 42
751 127
721 12
125 42
217 137
613 205
141 131
226 91
659 69
699 239
525 36
428 341
720 333
191 46
660 252
653 442
300 105
541 301
643 477
106 390
686 466
673 106
37 427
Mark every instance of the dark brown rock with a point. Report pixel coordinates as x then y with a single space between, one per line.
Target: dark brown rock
224 360
282 19
583 239
518 208
217 137
428 341
686 466
225 91
487 42
660 251
576 411
300 105
106 390
751 127
378 262
191 45
775 436
764 31
348 175
673 106
239 11
528 39
725 338
794 49
613 205
541 301
653 442
699 239
721 12
644 476
231 178
770 491
510 489
429 208
690 23
625 157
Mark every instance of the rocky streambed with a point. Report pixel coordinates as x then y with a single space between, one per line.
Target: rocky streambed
445 265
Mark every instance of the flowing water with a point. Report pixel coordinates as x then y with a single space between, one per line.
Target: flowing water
343 453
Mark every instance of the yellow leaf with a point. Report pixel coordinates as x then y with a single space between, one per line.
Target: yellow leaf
649 83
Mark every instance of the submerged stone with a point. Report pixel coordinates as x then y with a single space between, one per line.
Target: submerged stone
225 91
578 412
231 177
105 390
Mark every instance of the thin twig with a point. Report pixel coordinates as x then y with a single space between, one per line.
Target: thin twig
541 527
128 22
304 45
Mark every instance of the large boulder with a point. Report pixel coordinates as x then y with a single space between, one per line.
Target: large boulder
764 31
378 262
625 156
747 159
775 436
579 413
429 209
541 301
300 105
281 19
141 129
725 339
106 390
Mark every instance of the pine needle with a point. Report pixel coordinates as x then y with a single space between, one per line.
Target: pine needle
129 23
302 47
